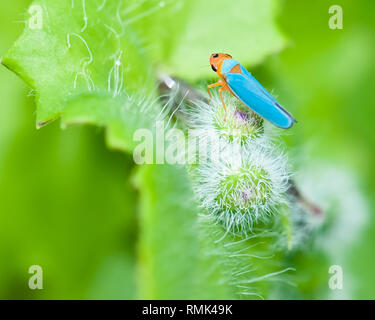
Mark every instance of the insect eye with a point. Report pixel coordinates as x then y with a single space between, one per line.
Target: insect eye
213 67
215 55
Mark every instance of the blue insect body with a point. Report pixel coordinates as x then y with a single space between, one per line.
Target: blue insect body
236 79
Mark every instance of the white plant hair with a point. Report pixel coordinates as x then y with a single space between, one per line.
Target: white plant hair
238 124
247 182
240 194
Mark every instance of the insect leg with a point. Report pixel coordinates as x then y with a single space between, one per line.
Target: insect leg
222 101
219 83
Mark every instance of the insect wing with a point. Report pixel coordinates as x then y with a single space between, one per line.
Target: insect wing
257 98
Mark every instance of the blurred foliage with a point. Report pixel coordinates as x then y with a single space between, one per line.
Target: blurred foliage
326 77
67 203
217 26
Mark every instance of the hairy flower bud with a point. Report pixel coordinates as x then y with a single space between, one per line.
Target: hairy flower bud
247 182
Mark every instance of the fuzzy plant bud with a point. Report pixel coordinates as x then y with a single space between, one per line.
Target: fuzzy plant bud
237 124
245 183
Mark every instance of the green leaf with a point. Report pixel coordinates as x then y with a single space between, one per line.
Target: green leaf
174 261
67 206
121 117
244 29
87 63
168 242
89 59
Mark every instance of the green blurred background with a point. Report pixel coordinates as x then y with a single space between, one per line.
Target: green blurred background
66 202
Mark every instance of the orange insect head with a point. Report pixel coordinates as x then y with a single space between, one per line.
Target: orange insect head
216 60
